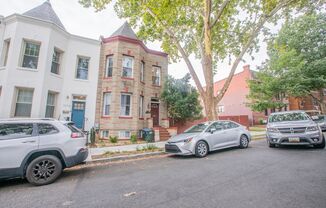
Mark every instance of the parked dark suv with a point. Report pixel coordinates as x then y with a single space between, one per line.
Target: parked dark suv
293 128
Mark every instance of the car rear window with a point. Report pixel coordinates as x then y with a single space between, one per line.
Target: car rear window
15 130
73 128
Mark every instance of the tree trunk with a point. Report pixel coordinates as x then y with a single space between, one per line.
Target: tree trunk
322 102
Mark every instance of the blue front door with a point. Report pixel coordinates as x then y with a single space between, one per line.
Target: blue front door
78 114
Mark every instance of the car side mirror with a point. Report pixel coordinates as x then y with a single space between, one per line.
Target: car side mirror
212 130
314 118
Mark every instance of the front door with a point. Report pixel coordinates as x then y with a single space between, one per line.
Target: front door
78 113
155 109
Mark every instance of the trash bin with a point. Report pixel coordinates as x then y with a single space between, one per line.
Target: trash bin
148 134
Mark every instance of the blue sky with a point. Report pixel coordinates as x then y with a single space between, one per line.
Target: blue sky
86 22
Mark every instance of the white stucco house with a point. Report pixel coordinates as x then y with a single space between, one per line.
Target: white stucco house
45 71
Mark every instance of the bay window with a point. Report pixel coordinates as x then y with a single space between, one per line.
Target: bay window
106 103
24 102
125 105
31 54
109 66
127 66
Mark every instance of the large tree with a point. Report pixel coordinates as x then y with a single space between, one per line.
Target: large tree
182 99
296 65
211 30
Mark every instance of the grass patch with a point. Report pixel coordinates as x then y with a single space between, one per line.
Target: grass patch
144 149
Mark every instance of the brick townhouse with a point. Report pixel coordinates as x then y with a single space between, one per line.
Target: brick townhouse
131 79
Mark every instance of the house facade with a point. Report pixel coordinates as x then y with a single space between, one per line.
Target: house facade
131 79
235 101
46 71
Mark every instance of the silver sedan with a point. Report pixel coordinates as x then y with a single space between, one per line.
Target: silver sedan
209 136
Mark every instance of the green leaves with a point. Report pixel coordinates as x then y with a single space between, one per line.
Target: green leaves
297 64
182 99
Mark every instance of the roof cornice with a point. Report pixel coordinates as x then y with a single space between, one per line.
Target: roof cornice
33 20
134 41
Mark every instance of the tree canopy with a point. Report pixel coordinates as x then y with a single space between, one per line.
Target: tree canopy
182 99
296 65
211 30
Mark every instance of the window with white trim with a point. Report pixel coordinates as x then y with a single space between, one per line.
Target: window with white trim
24 102
220 109
106 103
141 106
82 68
127 66
105 134
56 59
50 105
156 75
109 66
31 54
5 51
142 71
124 134
125 105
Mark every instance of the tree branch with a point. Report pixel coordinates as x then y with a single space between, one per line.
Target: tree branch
219 12
252 36
184 55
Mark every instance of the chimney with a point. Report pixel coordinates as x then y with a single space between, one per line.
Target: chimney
246 67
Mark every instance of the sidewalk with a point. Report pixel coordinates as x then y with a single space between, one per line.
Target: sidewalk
131 147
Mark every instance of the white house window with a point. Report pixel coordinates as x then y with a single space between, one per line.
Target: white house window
31 55
141 107
125 106
24 103
5 51
50 105
127 66
109 66
220 109
142 71
106 103
124 134
82 68
156 75
56 58
105 134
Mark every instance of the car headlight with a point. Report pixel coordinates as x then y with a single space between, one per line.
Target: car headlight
187 140
272 130
312 128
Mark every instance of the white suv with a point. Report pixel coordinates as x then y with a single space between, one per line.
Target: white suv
39 149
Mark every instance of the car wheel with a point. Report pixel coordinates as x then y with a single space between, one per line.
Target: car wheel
321 145
271 145
201 149
244 142
43 170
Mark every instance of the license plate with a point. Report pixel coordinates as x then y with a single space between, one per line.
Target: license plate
294 139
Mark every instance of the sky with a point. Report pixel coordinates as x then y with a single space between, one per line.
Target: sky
88 23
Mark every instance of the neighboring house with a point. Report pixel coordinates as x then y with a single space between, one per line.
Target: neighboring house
46 71
131 80
235 101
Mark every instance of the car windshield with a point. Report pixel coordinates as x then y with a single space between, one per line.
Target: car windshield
288 117
197 128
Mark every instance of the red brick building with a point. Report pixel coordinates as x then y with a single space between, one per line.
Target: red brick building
235 102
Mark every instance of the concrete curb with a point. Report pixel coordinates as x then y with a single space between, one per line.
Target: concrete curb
124 157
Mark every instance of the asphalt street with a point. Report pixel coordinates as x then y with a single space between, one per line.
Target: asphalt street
255 177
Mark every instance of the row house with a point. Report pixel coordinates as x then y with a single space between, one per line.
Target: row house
131 79
45 71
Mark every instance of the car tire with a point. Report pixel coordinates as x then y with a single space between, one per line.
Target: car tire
201 149
43 170
271 145
321 145
244 141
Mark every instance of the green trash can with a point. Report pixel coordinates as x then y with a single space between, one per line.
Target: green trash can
148 135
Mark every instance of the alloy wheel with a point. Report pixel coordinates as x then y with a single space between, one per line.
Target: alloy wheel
44 170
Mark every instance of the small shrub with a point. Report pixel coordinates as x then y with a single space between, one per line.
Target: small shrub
113 139
133 139
92 136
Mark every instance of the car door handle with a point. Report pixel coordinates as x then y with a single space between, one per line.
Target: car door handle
32 141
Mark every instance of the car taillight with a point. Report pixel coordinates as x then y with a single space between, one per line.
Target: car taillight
76 135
